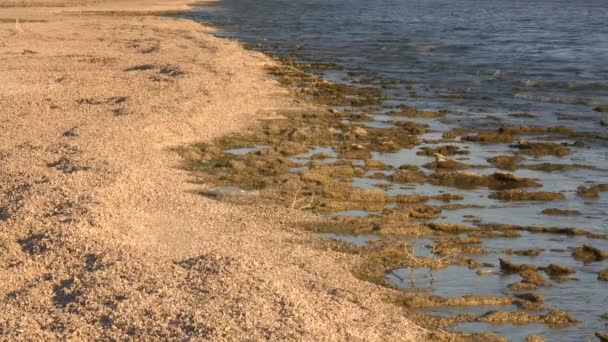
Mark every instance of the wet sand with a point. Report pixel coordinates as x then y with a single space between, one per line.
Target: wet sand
104 236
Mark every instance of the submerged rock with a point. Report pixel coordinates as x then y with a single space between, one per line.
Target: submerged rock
560 212
523 195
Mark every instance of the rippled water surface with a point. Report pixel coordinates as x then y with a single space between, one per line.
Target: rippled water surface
549 57
487 63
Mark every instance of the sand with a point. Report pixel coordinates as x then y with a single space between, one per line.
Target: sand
104 236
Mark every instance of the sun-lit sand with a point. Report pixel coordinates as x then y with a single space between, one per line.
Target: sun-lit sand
102 236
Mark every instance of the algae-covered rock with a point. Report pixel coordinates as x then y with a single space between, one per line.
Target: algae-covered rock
560 212
416 113
521 286
425 301
529 252
506 162
532 277
519 130
445 163
489 138
556 270
523 195
371 164
531 297
317 177
592 191
511 267
552 167
469 180
446 150
603 336
601 108
408 176
539 149
553 318
534 338
603 275
589 253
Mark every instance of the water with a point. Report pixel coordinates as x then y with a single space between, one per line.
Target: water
491 57
486 63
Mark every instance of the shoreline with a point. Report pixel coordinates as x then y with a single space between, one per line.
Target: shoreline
324 168
105 237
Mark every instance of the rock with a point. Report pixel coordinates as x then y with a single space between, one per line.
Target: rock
603 336
440 158
315 177
483 272
443 162
506 176
554 318
603 275
521 286
556 270
604 123
532 277
510 267
601 109
560 212
592 191
589 253
375 165
539 149
558 317
523 195
359 132
534 338
529 252
531 297
408 176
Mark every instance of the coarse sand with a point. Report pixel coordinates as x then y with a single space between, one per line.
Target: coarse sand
103 235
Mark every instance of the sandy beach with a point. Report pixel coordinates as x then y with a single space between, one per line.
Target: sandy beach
104 236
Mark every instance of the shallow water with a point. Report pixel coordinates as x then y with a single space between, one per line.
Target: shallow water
480 61
545 57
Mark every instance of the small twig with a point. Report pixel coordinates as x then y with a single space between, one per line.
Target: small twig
295 198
